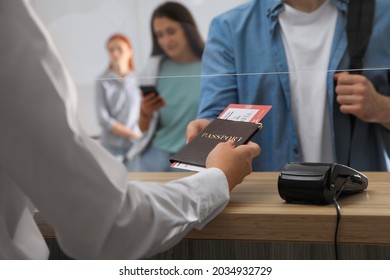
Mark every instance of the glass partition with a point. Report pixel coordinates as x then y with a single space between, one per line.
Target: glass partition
256 54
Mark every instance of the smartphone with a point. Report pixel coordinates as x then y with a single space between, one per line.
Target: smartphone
146 90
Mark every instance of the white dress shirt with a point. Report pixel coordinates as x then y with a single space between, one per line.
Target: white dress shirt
47 161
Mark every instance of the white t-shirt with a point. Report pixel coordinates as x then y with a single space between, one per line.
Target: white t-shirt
307 39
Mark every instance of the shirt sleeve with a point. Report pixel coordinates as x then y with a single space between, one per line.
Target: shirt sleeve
219 81
80 189
154 217
104 118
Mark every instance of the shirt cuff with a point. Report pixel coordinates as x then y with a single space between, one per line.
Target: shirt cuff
213 191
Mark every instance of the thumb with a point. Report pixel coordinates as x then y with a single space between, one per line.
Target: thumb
252 149
226 145
231 143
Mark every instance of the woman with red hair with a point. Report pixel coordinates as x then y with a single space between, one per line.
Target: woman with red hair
118 100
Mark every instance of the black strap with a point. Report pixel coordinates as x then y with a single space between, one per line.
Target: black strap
360 22
359 27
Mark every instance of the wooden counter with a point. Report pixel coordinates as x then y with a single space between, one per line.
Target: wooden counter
256 214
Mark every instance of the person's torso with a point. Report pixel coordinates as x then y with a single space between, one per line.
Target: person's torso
179 85
262 78
122 100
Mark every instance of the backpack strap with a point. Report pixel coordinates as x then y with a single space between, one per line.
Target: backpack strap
360 21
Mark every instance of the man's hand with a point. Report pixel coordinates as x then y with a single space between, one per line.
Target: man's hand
235 162
195 127
357 96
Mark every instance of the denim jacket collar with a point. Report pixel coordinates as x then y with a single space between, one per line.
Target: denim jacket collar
275 7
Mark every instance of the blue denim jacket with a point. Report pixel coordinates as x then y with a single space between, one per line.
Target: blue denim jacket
246 41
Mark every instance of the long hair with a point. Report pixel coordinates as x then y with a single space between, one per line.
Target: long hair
124 39
181 14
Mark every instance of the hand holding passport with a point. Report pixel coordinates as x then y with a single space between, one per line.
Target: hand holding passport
238 123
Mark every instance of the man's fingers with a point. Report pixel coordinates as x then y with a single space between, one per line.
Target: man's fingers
345 78
344 90
350 109
194 128
251 149
347 99
337 75
192 131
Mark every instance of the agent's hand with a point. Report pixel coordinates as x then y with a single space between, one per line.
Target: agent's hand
357 96
151 103
235 162
195 127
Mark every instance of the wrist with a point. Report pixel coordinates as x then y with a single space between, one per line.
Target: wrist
384 116
145 115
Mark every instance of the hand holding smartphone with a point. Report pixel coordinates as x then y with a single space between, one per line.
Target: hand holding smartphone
151 100
149 89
